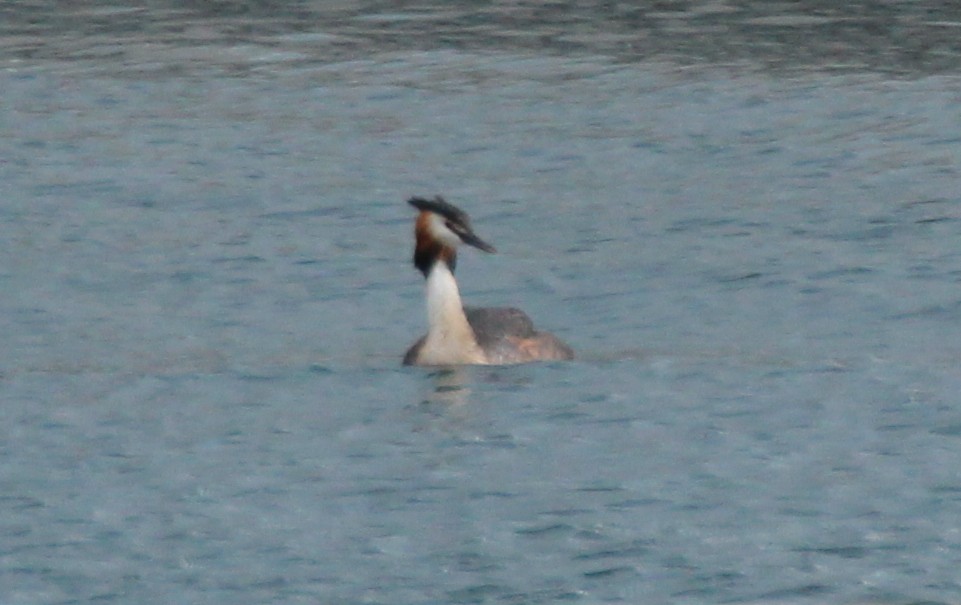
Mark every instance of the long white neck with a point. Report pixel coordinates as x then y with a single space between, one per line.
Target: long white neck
450 338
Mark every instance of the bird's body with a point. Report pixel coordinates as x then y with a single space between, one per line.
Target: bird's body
459 335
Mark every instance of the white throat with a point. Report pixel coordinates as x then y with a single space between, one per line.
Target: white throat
450 338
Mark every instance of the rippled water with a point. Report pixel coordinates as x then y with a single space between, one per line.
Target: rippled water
744 217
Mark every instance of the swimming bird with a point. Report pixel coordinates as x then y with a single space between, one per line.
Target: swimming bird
458 335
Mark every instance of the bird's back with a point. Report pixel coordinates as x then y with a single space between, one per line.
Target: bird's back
507 335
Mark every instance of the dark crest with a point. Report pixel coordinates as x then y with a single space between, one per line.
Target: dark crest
441 207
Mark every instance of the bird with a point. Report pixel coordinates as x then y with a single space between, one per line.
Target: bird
459 335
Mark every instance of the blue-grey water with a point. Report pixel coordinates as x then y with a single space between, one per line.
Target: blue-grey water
744 216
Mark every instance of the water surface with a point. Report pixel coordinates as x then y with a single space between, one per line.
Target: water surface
743 216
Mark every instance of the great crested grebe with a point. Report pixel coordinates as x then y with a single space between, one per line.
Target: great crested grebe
465 335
